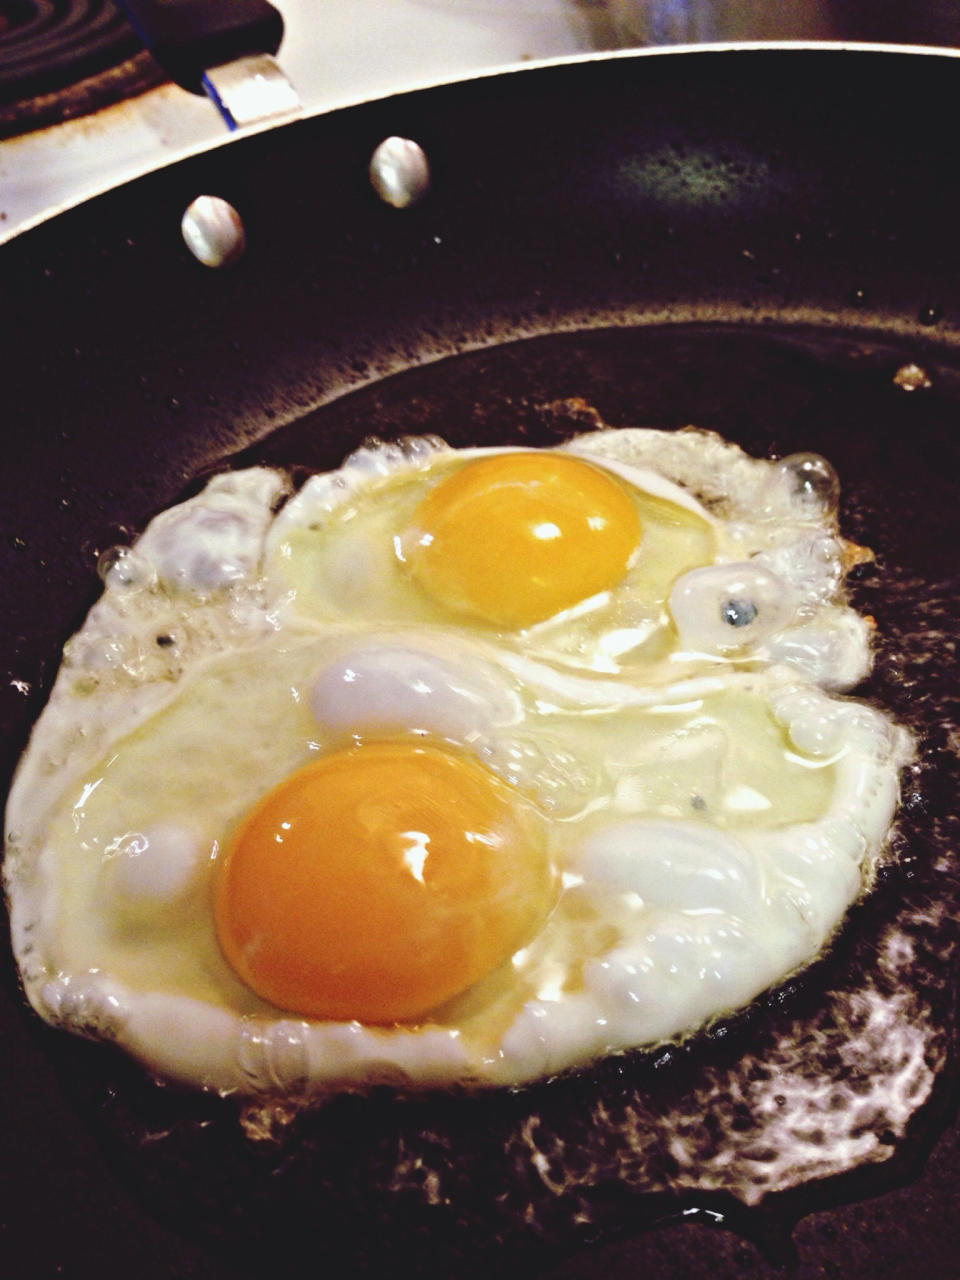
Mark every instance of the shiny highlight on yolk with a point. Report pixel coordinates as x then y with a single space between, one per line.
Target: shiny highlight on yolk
379 882
514 538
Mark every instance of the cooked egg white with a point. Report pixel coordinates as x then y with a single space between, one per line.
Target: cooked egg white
608 817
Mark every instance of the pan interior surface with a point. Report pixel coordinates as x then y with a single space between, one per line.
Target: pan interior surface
716 1097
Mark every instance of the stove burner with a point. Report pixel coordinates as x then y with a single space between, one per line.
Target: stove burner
63 58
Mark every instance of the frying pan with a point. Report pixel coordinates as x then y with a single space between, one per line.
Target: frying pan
760 242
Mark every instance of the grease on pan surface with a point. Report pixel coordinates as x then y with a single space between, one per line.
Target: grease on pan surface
687 813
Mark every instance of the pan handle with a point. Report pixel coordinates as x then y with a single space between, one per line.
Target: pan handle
188 37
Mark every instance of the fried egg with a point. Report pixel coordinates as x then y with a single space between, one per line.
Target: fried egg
453 767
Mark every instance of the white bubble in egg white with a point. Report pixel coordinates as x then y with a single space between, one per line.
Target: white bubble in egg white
676 865
726 607
811 564
873 794
103 652
823 726
204 550
274 1054
216 538
872 733
547 1035
811 720
816 883
685 969
802 849
682 970
125 568
810 481
389 688
148 873
636 997
91 1003
386 457
833 650
719 963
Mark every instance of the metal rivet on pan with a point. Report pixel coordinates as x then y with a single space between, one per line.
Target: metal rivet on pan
213 231
399 172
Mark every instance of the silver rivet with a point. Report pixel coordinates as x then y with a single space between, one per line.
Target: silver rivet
213 232
399 172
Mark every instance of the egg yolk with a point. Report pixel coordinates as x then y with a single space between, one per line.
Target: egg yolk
379 882
514 538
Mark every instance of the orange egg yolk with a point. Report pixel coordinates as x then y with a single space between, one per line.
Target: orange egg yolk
379 882
514 538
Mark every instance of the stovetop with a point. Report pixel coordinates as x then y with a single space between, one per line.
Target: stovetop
72 138
64 58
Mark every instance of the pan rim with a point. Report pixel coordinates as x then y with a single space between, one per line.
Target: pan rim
134 171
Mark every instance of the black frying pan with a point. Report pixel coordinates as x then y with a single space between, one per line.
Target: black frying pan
752 241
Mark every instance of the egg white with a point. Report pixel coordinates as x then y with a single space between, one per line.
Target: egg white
712 811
